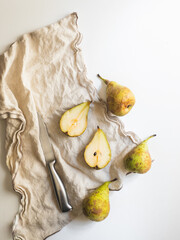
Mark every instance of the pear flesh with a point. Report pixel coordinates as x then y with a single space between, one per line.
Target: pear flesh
120 99
96 206
139 159
74 121
98 153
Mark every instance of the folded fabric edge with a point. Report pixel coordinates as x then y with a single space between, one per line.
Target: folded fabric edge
135 139
16 143
94 93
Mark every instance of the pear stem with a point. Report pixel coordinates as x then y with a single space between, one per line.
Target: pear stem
104 80
154 135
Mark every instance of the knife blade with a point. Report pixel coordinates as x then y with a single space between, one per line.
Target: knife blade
59 188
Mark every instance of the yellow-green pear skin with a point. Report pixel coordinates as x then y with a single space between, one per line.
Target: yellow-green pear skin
139 159
96 206
120 99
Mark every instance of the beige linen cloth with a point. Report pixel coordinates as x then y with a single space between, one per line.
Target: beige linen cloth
44 72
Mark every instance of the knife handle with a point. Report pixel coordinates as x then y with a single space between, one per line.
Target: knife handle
59 188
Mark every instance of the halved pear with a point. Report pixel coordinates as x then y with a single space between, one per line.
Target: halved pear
74 121
98 152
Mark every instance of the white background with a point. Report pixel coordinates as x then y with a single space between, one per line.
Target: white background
137 43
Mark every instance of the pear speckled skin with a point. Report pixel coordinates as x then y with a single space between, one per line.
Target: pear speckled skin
120 99
96 206
139 159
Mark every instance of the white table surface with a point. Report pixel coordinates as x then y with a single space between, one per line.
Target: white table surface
137 43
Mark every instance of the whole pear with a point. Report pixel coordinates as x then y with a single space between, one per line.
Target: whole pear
120 99
139 159
96 206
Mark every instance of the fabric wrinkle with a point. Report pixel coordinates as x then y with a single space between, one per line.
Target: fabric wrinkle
44 72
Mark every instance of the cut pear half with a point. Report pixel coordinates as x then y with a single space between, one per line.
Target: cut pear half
98 152
74 121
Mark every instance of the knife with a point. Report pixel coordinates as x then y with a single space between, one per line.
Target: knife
59 188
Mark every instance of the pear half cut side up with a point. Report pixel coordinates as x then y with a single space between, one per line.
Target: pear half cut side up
74 121
98 152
